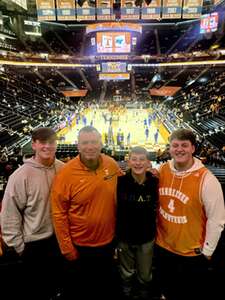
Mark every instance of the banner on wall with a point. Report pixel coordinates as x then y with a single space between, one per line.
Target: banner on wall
105 10
172 9
65 10
46 10
129 11
151 11
192 9
85 10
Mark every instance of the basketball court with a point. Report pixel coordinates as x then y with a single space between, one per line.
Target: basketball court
134 126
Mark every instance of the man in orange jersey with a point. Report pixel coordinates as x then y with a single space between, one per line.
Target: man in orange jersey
191 217
83 209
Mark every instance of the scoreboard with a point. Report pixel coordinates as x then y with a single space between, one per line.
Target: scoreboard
209 23
113 42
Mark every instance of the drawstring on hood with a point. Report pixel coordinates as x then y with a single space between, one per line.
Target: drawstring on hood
182 174
182 178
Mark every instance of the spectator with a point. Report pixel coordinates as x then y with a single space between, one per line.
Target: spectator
83 207
137 195
191 217
26 220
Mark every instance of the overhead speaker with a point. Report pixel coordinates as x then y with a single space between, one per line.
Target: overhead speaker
138 2
91 3
81 2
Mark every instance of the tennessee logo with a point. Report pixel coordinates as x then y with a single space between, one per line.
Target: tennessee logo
109 176
106 172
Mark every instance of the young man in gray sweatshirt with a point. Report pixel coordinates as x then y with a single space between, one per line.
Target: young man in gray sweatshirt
26 220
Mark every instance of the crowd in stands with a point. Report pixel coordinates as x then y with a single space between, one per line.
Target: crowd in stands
9 162
200 107
29 101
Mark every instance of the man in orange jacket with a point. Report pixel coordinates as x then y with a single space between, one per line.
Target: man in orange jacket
83 209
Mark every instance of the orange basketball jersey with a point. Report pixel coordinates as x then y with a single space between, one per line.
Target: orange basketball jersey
181 216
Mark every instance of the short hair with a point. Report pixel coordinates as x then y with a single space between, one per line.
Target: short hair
139 150
183 134
88 129
44 134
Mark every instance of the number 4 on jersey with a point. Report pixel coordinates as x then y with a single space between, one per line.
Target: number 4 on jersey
171 206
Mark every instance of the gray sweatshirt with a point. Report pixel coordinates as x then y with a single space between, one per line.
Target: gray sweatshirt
25 214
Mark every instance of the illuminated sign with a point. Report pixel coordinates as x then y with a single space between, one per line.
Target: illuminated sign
114 67
114 26
114 76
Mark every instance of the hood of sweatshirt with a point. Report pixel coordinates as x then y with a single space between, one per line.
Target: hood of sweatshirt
182 174
196 166
35 164
47 171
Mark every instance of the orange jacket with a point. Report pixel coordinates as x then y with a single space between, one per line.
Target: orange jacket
83 205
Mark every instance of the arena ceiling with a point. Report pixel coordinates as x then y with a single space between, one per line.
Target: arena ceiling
160 42
9 7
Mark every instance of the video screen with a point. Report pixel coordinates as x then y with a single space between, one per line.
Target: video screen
114 76
113 42
32 28
6 25
209 23
114 67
